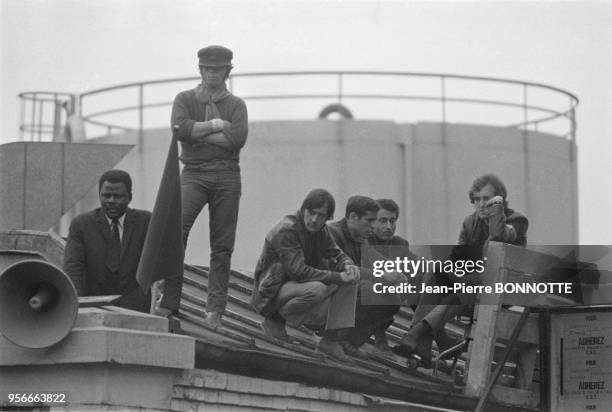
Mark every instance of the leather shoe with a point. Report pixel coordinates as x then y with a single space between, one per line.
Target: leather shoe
445 343
333 350
410 340
274 329
213 320
353 350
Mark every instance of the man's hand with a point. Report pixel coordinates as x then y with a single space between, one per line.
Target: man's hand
495 206
495 200
354 271
217 124
348 277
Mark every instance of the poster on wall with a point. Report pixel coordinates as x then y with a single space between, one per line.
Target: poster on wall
581 361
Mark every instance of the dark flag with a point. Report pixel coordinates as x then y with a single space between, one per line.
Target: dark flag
162 254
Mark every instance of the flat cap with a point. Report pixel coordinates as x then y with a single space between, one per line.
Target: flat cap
215 56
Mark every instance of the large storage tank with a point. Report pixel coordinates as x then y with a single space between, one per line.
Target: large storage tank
426 166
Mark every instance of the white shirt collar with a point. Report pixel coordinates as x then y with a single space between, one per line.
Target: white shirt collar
120 221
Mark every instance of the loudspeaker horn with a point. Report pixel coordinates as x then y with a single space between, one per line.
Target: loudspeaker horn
38 304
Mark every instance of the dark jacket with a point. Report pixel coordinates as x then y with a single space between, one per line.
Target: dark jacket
291 252
475 231
365 254
85 256
345 241
397 246
355 249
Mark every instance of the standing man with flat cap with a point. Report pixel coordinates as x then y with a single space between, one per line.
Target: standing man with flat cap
212 125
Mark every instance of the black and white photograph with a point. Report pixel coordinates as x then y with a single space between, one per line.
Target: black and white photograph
305 205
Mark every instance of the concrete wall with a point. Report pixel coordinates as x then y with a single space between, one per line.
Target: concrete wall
537 169
210 390
427 168
40 181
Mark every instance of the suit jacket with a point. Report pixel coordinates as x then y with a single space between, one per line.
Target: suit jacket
476 231
85 256
361 254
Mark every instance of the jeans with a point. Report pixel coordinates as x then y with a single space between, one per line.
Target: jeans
304 303
217 184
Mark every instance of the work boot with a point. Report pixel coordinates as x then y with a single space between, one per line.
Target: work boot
333 350
353 350
410 340
423 350
274 328
213 320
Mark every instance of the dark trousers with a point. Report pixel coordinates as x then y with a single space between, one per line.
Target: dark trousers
370 319
437 309
217 185
135 300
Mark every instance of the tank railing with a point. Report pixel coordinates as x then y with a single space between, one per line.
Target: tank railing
341 94
46 114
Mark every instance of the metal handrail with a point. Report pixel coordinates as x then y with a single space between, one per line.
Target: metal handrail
60 104
340 94
343 72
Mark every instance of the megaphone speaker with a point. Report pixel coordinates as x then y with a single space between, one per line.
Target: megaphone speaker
38 304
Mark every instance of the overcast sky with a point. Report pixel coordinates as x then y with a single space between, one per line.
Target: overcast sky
75 45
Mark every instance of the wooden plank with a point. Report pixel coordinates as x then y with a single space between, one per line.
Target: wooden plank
526 366
518 397
478 369
499 354
523 260
506 322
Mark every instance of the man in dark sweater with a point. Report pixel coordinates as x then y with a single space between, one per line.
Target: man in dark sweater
212 125
351 233
390 246
491 220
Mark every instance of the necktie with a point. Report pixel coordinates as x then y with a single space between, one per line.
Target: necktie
114 249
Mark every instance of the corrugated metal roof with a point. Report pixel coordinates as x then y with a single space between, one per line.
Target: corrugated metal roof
241 346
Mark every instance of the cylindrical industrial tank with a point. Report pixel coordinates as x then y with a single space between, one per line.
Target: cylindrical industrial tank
426 167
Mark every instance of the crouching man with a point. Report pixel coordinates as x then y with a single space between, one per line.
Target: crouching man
374 314
299 271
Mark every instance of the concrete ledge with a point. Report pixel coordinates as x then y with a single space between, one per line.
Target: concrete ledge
94 387
98 366
121 318
102 344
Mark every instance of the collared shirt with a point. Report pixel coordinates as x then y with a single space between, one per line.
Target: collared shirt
119 224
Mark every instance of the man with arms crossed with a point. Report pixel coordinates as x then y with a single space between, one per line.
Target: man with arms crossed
211 125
